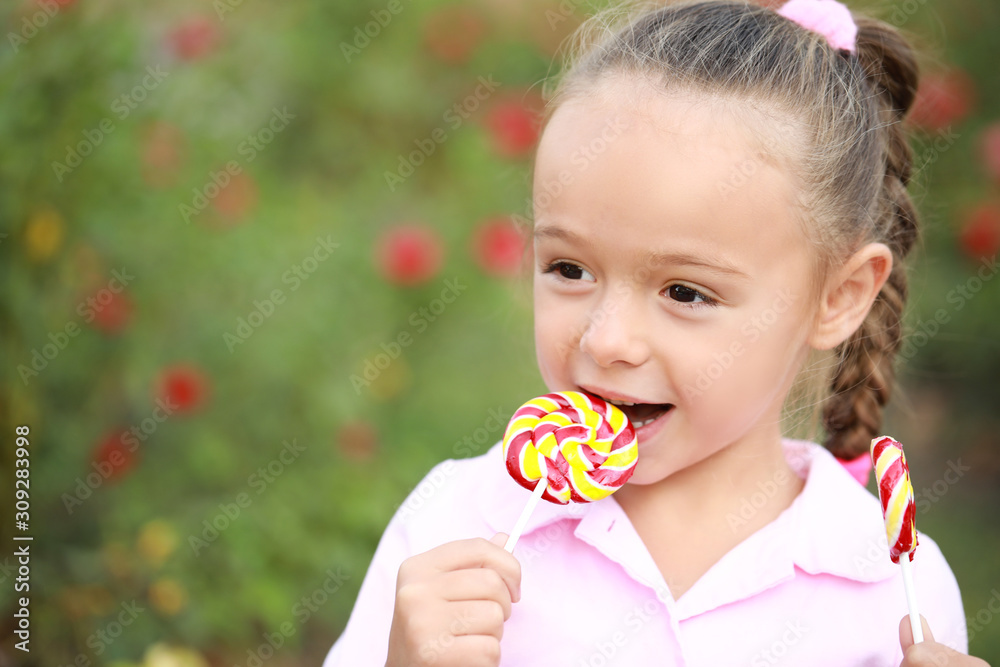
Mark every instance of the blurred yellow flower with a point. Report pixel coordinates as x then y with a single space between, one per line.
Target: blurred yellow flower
157 540
43 234
392 381
162 655
167 596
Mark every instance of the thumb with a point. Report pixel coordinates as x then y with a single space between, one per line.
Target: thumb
499 539
906 632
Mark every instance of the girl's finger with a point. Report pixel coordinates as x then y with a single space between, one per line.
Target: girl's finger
476 617
906 632
476 584
463 555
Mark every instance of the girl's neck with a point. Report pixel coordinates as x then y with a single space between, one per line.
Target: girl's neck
692 518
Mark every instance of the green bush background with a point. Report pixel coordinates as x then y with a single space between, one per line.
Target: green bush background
131 539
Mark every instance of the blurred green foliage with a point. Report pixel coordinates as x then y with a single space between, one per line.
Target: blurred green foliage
206 152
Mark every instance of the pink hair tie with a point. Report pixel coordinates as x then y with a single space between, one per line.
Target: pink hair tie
859 468
829 18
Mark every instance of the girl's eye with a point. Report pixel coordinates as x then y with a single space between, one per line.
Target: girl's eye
685 294
569 271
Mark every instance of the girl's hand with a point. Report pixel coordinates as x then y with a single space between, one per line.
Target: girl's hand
929 653
451 603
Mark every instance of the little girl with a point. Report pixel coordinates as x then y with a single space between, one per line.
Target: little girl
731 215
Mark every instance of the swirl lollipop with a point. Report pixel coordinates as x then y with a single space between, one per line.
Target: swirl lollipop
568 447
896 494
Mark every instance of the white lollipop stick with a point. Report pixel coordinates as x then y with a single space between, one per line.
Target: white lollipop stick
536 495
911 598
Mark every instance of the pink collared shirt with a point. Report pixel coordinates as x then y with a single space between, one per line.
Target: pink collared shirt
814 587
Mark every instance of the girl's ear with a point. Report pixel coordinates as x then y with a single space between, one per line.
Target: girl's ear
849 295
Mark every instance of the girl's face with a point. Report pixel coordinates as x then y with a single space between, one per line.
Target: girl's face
670 272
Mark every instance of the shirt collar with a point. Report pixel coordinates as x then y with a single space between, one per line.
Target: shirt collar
851 542
833 527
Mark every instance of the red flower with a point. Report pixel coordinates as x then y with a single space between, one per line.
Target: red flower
183 387
409 255
991 150
980 235
943 99
162 153
452 33
111 311
113 458
498 246
514 128
357 440
237 198
194 38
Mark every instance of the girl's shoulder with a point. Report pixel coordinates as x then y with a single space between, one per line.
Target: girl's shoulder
455 498
837 529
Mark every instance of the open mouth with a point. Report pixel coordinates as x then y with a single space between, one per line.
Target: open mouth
640 414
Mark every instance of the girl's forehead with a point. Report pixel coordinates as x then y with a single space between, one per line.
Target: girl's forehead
666 113
673 172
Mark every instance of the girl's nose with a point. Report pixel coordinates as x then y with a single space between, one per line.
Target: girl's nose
614 334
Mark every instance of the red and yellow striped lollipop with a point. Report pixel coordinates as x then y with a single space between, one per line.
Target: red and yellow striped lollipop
896 494
568 447
582 445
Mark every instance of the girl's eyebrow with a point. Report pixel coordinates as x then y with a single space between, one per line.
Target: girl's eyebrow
717 265
551 232
652 258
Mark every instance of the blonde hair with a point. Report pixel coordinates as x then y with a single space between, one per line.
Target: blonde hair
853 167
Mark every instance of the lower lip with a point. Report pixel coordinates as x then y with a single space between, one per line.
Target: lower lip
649 431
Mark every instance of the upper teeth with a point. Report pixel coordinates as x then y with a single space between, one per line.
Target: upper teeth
614 402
